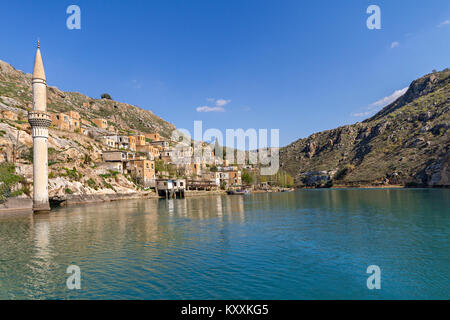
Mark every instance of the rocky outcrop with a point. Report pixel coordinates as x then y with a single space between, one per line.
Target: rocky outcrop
406 143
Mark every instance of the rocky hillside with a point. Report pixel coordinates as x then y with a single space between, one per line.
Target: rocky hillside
73 164
406 143
15 92
74 159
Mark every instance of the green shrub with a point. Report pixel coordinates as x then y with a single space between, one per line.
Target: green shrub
106 96
8 179
91 183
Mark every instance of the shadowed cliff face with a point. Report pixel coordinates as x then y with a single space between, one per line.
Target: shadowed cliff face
406 143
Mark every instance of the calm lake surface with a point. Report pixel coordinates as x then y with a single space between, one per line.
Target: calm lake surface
308 244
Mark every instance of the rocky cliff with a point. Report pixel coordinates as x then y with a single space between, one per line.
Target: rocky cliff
406 143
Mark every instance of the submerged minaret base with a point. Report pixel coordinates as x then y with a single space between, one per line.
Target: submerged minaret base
40 120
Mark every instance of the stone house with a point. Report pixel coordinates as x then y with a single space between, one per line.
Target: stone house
228 176
108 141
152 152
143 171
101 123
153 136
140 140
162 145
66 121
117 159
132 142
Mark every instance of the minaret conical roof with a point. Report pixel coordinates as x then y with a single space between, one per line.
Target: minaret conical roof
38 72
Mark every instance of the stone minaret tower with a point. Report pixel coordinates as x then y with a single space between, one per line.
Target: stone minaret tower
40 120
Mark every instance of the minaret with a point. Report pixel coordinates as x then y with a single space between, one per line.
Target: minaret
40 120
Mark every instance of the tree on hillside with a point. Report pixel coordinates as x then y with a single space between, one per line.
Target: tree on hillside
246 177
106 96
16 147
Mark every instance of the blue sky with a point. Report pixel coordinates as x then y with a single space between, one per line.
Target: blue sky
298 66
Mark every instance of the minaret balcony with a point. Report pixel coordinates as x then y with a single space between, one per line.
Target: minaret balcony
39 119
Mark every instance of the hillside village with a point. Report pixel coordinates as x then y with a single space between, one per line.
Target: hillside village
104 147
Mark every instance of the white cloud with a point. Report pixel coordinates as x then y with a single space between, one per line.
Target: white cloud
360 114
443 23
210 109
389 99
219 105
395 44
377 105
222 102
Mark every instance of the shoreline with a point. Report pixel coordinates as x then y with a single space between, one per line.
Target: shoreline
24 205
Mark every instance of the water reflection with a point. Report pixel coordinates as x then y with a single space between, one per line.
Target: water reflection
306 244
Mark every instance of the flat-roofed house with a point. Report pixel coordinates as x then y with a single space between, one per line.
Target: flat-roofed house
151 151
123 142
61 121
114 155
162 144
143 171
153 136
132 142
66 121
101 123
234 177
117 159
108 141
140 140
74 119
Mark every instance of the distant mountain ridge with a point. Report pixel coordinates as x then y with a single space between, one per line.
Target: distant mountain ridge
406 143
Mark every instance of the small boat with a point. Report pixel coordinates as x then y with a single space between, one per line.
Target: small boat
237 192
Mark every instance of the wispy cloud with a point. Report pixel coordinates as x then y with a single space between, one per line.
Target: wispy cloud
219 105
377 105
136 84
222 102
210 109
395 44
443 23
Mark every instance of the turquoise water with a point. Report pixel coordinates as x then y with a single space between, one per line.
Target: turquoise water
309 244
